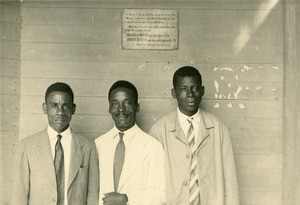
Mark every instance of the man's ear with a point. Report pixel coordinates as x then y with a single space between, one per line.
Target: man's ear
137 107
173 92
73 108
203 90
44 106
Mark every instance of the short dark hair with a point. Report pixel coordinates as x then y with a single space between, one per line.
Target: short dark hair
124 84
186 71
60 87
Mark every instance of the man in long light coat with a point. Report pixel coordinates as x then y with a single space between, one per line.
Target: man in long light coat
205 172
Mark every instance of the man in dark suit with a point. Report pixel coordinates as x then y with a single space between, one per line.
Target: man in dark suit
56 165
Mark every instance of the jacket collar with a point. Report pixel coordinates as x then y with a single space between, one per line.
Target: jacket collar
138 145
45 157
77 158
176 128
203 115
129 134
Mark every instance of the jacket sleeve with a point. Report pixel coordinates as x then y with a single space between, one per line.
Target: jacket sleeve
93 178
230 179
156 131
21 177
155 193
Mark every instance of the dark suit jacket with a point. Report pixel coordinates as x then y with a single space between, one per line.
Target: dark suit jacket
34 177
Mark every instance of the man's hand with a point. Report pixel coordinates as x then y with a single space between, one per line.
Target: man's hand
114 198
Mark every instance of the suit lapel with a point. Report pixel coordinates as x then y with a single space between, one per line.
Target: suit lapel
45 158
76 159
178 132
203 134
135 155
206 124
204 129
180 135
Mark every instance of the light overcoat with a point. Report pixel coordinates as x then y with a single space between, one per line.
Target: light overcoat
216 167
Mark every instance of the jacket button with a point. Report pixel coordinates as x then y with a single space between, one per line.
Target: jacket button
53 200
188 156
186 182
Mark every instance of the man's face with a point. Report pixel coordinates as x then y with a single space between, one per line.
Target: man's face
123 108
188 93
59 109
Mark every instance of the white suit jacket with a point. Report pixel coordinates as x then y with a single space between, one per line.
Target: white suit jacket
143 175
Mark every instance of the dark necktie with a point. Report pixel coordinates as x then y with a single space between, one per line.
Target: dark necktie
59 170
194 188
119 161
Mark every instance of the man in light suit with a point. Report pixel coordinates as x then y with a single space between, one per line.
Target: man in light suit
200 167
137 176
36 181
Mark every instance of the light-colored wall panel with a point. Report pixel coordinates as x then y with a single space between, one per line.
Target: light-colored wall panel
80 44
10 105
10 28
10 67
151 70
10 50
113 52
260 181
10 12
256 144
9 138
261 197
70 15
85 34
84 29
10 32
10 85
258 163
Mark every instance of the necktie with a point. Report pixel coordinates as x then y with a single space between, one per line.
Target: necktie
119 161
193 188
59 170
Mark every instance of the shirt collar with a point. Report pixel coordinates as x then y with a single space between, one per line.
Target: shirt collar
128 133
183 118
53 134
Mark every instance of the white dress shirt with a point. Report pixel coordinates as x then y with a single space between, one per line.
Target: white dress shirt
66 144
185 125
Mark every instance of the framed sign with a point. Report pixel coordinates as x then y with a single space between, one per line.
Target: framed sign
150 29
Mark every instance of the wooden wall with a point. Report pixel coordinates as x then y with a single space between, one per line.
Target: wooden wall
80 43
10 26
291 109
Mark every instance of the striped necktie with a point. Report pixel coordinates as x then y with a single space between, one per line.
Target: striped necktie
119 161
194 187
59 170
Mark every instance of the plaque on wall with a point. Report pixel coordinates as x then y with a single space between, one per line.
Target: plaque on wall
153 29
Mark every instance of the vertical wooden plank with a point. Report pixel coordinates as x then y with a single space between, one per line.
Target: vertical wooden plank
291 146
10 26
297 188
